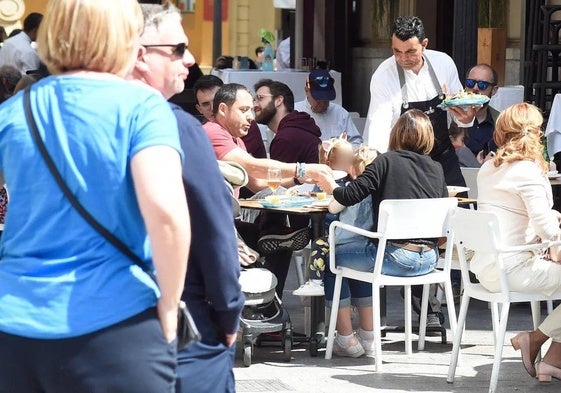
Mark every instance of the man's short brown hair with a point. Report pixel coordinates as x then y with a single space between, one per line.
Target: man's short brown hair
413 132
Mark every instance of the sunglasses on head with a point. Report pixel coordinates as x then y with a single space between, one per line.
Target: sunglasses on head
482 85
322 81
178 49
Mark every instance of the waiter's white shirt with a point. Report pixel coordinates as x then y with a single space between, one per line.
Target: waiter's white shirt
18 52
386 98
332 122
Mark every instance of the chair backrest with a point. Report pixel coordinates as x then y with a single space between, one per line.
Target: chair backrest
359 123
470 176
474 230
415 218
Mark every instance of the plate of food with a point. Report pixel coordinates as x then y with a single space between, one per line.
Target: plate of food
453 190
464 100
285 201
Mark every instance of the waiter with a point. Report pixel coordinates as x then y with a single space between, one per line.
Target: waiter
416 77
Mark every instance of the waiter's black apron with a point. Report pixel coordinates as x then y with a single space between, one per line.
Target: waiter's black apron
443 151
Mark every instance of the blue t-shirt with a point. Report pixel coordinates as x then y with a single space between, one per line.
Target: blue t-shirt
58 277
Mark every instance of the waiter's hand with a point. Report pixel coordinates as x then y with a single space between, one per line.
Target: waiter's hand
464 115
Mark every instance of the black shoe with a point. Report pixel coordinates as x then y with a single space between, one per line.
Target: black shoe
292 241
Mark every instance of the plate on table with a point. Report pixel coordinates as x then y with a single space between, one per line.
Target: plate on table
338 175
464 100
553 175
321 203
277 202
453 190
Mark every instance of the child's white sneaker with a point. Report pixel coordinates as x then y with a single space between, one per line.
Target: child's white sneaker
367 345
310 288
351 348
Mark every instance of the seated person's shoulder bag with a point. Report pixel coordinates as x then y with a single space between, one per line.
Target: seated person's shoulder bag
187 332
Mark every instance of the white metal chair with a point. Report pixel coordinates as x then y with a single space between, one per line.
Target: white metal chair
479 231
470 176
397 219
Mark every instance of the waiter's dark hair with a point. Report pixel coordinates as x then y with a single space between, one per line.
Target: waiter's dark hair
406 27
227 94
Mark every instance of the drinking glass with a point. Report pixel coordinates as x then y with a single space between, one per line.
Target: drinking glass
274 179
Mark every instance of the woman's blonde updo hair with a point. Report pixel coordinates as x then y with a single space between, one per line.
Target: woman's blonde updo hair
518 135
413 132
90 35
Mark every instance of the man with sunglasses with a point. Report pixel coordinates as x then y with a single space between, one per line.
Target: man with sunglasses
482 79
212 292
332 119
416 77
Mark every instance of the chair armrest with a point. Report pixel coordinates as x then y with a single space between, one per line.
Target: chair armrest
332 239
530 247
360 231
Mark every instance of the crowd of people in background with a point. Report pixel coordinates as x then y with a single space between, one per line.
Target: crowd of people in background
148 171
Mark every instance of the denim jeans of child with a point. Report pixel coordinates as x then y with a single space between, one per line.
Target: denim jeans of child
360 255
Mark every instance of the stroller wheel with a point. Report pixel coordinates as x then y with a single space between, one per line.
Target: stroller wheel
247 352
287 348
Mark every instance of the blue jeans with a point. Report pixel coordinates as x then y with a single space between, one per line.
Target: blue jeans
360 255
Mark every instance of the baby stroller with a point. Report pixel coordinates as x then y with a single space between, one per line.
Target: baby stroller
262 312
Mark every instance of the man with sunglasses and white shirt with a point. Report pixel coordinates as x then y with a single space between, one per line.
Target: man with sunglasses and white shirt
482 79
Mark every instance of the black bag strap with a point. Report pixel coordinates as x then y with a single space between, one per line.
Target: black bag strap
118 244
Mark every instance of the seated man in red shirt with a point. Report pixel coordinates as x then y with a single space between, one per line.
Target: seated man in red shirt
233 114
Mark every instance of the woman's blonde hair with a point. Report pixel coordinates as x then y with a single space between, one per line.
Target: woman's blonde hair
330 148
413 132
364 155
518 135
90 35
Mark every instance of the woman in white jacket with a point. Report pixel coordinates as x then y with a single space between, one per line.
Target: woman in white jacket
515 187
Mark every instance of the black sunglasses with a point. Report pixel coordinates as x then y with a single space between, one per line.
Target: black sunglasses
482 85
178 49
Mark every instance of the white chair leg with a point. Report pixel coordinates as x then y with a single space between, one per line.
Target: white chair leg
407 300
499 344
423 319
451 307
494 318
377 322
334 313
458 338
549 307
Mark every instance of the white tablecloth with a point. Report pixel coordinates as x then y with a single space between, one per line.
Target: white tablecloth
506 96
295 79
553 130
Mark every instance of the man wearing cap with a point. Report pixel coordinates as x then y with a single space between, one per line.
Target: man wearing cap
331 118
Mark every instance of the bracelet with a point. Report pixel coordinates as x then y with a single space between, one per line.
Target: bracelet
296 181
301 171
297 169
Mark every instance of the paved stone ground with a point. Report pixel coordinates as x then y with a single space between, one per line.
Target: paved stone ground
424 371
